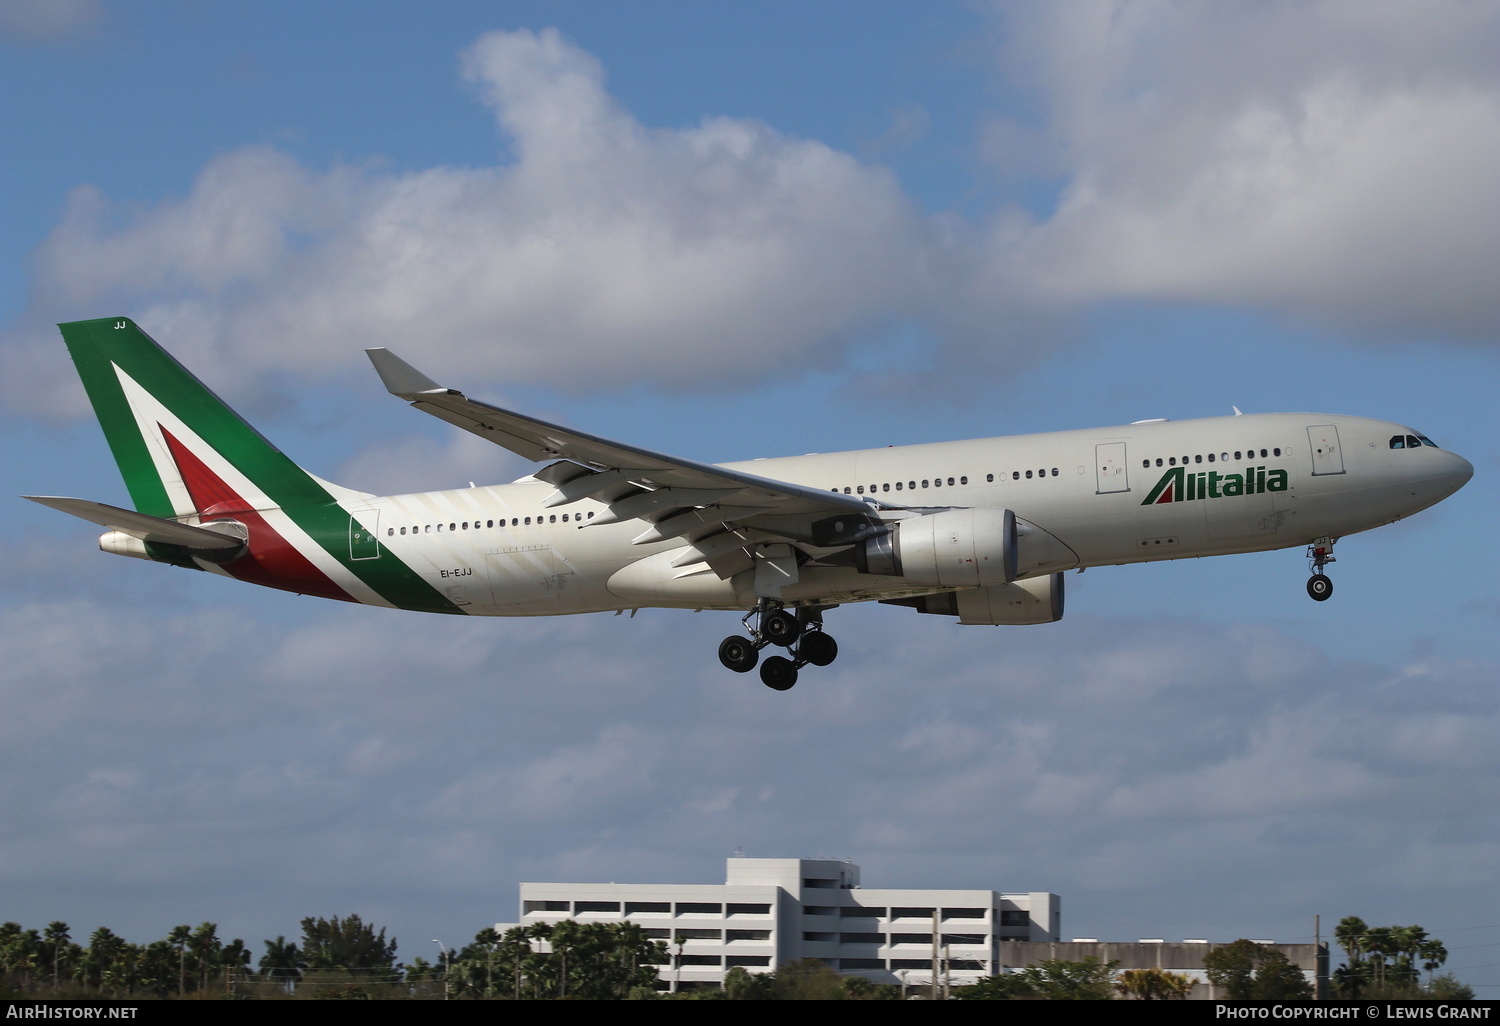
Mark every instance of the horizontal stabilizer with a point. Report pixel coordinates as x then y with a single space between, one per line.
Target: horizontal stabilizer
142 525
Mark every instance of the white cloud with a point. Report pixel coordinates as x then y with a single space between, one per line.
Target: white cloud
361 747
604 252
1336 161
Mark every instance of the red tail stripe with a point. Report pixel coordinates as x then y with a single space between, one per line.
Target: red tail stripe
271 560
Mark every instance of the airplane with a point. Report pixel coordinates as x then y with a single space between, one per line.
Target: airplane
981 531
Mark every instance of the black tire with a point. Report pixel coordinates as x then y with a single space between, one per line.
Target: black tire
818 649
738 654
1319 587
778 674
780 627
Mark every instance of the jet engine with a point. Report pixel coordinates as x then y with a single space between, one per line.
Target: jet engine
954 548
1019 603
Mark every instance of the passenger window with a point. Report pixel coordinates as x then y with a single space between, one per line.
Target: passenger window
565 518
886 487
591 516
528 521
1028 475
861 489
1172 461
950 480
1054 471
1145 463
1276 452
963 480
1158 461
989 477
1236 455
390 532
898 486
846 489
552 519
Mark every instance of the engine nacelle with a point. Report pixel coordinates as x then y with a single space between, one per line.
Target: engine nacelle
1019 603
959 548
1034 600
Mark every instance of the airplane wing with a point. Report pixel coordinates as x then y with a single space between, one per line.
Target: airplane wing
677 498
142 525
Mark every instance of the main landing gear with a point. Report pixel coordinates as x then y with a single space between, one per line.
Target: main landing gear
800 633
1319 555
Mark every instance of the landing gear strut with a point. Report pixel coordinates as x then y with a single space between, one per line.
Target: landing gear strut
1319 555
800 633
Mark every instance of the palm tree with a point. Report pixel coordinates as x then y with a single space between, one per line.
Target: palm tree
1433 955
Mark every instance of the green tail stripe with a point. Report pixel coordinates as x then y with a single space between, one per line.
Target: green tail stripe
96 345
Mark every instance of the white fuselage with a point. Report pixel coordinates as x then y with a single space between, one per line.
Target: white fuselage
497 551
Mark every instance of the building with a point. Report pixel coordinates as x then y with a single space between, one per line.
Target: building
769 912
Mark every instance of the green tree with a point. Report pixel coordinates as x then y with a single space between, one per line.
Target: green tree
58 951
1000 987
1248 971
807 980
1058 979
178 938
1385 961
1153 985
282 960
21 956
1447 988
742 985
346 944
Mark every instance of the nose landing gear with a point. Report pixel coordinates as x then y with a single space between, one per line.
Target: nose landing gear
1319 555
801 634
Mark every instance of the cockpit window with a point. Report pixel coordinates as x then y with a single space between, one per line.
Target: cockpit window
1411 442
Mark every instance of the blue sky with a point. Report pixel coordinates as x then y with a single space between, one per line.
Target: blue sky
730 231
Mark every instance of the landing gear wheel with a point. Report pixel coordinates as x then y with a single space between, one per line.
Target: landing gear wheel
780 628
778 674
818 649
1319 587
739 654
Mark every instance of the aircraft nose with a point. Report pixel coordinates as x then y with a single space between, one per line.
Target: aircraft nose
1460 472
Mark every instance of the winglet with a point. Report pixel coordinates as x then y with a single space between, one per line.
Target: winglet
399 377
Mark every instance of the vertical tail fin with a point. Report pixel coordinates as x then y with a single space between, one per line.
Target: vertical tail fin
180 448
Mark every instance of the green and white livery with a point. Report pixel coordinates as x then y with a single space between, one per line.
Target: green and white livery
980 530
